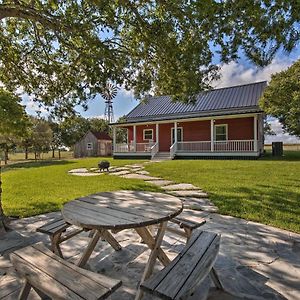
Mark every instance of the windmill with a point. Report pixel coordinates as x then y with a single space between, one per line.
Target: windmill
109 92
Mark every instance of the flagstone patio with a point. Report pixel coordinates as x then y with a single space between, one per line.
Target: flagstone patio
254 258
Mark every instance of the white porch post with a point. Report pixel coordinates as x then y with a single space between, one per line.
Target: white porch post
157 133
212 121
134 138
114 138
175 135
255 132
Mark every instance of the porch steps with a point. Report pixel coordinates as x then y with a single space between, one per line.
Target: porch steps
162 156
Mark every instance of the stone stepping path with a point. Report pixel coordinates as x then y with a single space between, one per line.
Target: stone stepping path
199 204
118 169
120 173
143 172
194 198
80 170
193 193
180 186
140 176
160 182
84 172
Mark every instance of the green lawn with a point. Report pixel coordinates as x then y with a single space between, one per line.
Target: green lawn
37 187
264 190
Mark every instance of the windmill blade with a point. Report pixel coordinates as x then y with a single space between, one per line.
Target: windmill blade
109 92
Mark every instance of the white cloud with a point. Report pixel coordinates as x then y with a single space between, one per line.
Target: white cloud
32 107
280 135
126 93
236 73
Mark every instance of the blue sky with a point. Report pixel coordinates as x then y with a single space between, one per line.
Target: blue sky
234 73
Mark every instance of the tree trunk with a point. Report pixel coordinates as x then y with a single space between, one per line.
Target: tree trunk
35 155
3 219
53 152
59 157
26 153
6 155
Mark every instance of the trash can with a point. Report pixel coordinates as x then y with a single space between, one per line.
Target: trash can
277 148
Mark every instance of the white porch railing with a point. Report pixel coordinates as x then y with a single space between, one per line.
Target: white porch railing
234 146
173 149
193 146
218 146
154 149
138 147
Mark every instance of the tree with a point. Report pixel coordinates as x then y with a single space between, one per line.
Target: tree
121 133
64 52
73 129
42 136
13 123
281 98
97 124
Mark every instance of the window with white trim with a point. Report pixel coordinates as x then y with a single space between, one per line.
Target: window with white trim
89 146
148 134
221 132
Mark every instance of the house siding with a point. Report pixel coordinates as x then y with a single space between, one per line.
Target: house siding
238 129
139 133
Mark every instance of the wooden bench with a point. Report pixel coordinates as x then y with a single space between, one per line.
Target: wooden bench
187 225
51 276
56 230
188 270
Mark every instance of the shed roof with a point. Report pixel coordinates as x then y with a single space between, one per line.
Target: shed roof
101 135
235 99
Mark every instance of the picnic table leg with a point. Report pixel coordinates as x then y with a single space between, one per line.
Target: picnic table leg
25 291
55 240
150 242
90 248
156 251
111 240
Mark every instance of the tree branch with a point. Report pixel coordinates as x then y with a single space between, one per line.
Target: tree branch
28 13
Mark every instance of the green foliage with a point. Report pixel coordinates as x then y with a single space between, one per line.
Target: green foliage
100 125
64 52
281 98
13 123
121 133
73 129
266 191
41 136
12 114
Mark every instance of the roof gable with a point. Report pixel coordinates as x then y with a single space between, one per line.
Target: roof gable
239 98
101 135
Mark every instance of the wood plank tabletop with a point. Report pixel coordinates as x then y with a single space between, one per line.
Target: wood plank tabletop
121 210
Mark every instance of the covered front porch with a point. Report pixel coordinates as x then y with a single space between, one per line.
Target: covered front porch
218 136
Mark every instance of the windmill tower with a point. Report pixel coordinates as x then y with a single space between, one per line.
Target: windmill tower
109 93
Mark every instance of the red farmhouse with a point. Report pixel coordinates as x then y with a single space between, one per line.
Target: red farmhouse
225 122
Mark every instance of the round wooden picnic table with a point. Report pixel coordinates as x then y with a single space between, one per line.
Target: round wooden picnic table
124 210
121 210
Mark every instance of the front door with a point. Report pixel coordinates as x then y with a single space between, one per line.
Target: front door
179 134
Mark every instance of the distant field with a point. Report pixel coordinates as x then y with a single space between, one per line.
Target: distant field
286 147
13 157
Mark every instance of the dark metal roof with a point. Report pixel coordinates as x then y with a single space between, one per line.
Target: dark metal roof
236 99
101 135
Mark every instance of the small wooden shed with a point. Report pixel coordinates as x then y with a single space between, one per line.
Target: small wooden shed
93 144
